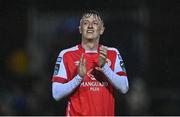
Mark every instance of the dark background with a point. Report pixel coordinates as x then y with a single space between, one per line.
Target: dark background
33 32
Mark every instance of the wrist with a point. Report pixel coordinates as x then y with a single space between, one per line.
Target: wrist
78 77
102 65
105 68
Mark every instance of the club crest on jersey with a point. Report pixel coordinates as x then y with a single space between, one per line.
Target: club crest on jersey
56 69
108 62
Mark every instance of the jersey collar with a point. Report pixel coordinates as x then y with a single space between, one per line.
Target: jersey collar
83 50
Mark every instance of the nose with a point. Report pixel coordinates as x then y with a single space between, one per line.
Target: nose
90 25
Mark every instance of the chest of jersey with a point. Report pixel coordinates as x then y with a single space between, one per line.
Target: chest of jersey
92 68
95 80
94 89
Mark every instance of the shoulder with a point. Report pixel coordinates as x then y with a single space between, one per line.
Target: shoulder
71 49
113 49
116 51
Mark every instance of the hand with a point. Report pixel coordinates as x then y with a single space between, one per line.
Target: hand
82 67
102 56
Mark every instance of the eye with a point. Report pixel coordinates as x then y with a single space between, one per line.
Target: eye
95 23
85 23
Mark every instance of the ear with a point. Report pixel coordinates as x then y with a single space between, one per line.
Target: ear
80 31
102 30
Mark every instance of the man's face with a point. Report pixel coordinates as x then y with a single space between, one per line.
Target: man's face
91 27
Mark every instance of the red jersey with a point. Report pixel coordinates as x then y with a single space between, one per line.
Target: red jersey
94 96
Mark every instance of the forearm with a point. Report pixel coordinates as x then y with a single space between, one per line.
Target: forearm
60 90
119 82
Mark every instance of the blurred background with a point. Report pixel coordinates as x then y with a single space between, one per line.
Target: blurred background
33 32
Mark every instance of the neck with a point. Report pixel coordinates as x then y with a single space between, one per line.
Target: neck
90 45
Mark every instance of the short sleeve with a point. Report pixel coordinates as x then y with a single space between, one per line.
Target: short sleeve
119 65
60 74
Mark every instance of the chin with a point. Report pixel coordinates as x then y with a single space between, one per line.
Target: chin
90 38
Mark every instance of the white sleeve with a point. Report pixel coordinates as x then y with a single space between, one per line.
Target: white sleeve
60 74
119 64
60 90
119 82
60 69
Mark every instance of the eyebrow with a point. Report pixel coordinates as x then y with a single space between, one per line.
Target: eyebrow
93 20
97 20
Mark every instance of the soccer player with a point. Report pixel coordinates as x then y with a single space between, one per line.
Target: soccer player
88 72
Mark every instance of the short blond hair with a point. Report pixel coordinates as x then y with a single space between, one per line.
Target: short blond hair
89 13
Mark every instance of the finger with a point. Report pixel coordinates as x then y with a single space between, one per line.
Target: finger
102 60
103 53
84 61
81 59
102 56
103 48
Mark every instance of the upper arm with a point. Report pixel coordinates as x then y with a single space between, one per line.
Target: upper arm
119 65
60 72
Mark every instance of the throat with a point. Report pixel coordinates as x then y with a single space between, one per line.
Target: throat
90 46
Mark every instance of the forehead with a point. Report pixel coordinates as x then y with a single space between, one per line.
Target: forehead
91 17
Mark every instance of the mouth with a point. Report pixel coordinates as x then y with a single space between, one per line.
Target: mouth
90 31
